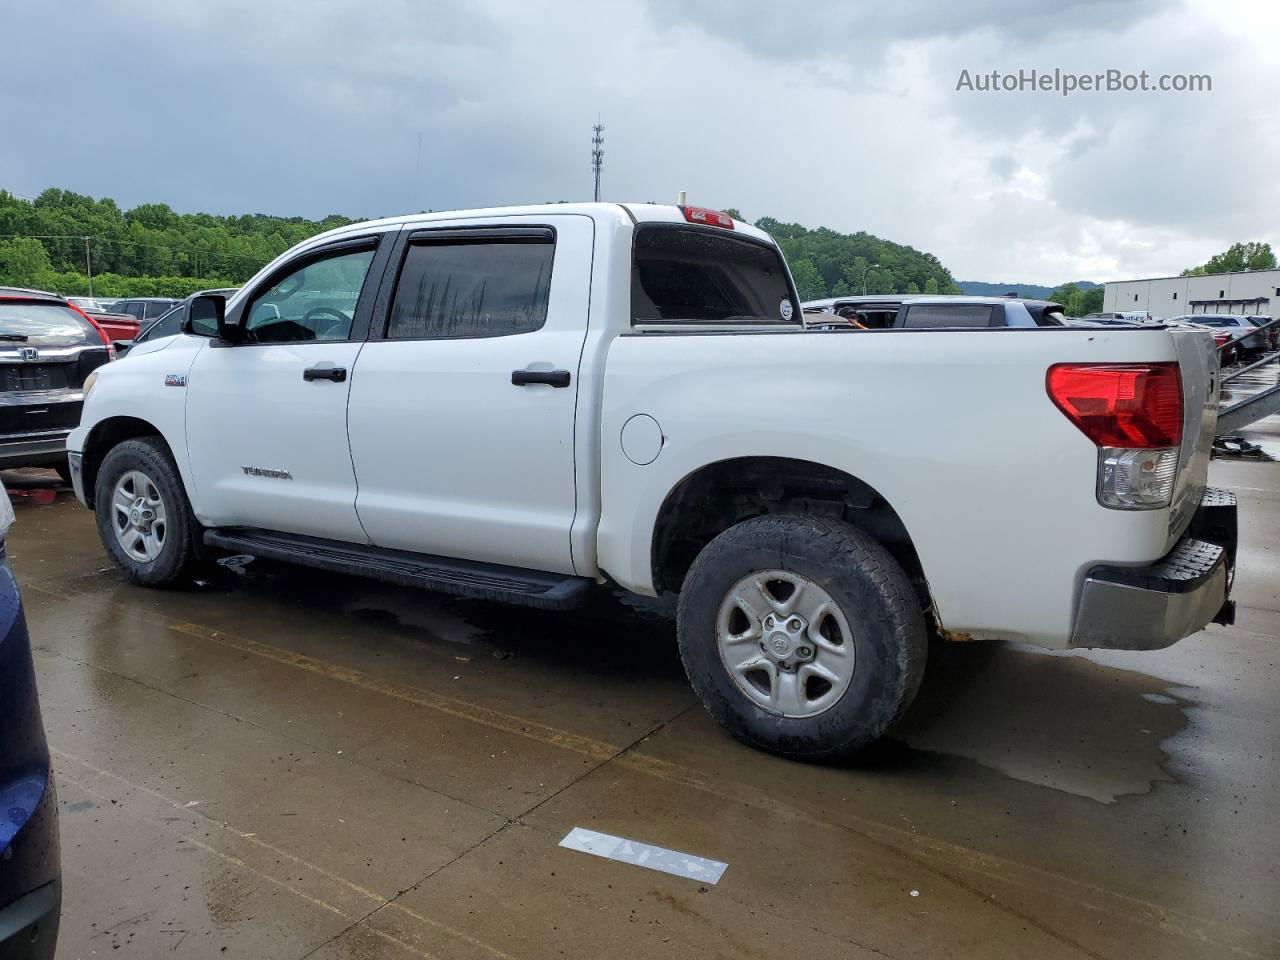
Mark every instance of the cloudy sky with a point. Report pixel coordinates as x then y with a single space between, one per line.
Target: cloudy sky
828 112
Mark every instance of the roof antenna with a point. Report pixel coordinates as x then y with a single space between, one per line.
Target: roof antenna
682 199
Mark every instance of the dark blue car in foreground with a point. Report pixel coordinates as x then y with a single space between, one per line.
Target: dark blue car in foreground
30 885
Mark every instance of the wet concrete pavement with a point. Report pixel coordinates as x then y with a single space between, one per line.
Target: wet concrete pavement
280 763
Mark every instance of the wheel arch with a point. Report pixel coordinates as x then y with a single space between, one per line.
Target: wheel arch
719 495
105 435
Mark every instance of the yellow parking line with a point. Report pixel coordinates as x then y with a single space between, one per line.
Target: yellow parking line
530 729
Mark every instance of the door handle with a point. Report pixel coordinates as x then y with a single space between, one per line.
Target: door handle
554 378
336 374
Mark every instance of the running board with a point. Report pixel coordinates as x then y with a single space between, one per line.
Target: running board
463 578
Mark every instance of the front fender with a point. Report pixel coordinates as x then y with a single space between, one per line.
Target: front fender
147 386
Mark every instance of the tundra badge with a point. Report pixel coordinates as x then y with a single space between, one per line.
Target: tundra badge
267 472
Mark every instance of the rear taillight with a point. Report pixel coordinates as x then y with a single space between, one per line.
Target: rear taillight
709 218
111 347
1133 414
1121 405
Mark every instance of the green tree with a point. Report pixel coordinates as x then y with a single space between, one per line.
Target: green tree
1238 257
808 281
845 260
931 285
23 262
1077 302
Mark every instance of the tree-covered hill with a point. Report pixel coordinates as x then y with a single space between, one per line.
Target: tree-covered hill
1035 291
830 264
147 251
151 250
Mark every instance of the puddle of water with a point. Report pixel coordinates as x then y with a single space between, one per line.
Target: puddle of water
1060 722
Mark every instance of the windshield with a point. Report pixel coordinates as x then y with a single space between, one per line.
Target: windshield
169 324
1215 321
681 275
44 325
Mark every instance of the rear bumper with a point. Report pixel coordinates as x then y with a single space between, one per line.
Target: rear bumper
1147 608
29 925
33 449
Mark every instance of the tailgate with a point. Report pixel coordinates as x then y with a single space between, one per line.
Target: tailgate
1198 362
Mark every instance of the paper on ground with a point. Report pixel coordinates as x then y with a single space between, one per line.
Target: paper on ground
644 855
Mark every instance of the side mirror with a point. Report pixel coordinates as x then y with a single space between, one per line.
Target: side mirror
207 317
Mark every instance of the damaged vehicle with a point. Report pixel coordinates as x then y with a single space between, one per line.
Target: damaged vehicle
520 404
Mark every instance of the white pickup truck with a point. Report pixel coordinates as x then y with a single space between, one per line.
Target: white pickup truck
522 403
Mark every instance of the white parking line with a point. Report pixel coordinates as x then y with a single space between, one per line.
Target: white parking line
644 855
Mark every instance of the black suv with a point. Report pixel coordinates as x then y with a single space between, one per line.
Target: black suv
47 349
143 309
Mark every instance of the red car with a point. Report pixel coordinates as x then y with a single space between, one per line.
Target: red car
118 326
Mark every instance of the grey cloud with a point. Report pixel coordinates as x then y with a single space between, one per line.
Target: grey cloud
306 108
858 31
1003 166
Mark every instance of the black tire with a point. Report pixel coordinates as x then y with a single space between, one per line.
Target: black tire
149 456
884 614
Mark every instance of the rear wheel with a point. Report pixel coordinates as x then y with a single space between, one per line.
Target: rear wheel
142 513
801 635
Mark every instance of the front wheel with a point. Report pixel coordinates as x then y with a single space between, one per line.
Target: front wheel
801 635
142 513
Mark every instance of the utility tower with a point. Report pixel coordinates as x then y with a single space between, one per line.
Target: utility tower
597 153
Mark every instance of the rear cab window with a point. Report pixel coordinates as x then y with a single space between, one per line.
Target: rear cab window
938 316
25 323
690 275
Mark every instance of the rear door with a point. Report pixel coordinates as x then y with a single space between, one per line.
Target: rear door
267 418
463 401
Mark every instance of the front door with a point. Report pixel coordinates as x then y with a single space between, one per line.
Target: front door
267 417
463 401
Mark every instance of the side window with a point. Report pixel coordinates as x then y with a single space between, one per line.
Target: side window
153 309
938 315
316 301
132 307
478 288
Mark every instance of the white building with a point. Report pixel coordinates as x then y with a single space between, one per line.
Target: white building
1249 292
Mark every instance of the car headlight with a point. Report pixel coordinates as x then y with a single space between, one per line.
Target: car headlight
89 382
